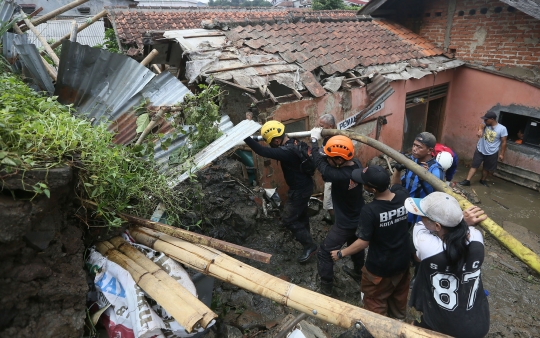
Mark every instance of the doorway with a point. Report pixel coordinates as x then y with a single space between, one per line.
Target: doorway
424 111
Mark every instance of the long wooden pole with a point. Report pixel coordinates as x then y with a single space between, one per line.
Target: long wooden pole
191 236
80 28
57 12
221 266
146 61
181 311
193 303
511 243
41 39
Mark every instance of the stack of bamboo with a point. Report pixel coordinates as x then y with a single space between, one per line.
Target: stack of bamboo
214 263
185 308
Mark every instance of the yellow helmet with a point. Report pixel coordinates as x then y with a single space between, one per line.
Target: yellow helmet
272 129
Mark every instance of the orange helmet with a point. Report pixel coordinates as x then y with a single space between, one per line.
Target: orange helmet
341 146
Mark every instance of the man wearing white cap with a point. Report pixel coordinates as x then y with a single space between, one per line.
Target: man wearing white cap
448 289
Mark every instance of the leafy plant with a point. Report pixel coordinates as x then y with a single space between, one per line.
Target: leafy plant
110 42
38 132
327 4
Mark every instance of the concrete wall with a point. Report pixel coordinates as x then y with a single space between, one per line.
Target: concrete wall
472 93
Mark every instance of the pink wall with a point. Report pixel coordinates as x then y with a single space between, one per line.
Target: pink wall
471 94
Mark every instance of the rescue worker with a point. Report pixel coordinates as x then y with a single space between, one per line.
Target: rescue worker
336 166
295 216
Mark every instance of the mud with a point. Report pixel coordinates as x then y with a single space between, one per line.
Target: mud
514 290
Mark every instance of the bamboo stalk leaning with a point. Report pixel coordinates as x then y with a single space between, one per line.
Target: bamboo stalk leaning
192 301
57 12
510 242
41 39
230 270
80 28
179 309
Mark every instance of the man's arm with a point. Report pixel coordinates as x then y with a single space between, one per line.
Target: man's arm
480 130
279 154
396 177
355 247
503 148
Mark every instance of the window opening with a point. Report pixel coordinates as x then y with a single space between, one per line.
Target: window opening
526 127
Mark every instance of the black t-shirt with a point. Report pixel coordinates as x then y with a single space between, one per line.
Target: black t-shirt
347 198
384 225
290 163
452 302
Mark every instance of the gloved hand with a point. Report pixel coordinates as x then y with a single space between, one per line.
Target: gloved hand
316 133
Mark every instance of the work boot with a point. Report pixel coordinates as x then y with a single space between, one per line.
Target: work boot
355 274
308 252
327 289
465 183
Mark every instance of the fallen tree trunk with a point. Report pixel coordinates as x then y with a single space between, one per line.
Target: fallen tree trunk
512 244
192 301
191 236
181 311
221 266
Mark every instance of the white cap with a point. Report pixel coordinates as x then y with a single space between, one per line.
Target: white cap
437 206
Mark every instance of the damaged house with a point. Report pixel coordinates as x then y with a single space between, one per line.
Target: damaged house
296 65
499 41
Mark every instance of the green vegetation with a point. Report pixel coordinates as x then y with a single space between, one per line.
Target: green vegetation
327 4
38 132
110 43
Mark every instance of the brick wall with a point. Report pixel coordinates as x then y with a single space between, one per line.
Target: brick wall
484 32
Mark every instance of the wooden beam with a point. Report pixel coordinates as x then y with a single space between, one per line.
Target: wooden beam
272 97
249 90
41 39
57 12
149 57
245 66
202 36
297 93
31 15
80 28
352 77
156 68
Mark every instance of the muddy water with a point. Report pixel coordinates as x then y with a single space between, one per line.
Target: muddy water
506 201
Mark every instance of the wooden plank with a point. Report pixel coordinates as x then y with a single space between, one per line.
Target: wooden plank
252 91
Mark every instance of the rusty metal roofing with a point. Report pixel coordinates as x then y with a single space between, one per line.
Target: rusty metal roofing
104 87
32 62
335 47
131 23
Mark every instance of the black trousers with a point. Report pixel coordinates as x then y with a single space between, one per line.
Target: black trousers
295 215
334 241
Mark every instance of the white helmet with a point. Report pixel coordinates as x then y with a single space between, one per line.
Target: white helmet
445 159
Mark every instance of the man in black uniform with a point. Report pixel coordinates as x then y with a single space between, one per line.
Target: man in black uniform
295 217
383 227
337 167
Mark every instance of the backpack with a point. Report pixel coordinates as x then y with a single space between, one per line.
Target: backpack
303 151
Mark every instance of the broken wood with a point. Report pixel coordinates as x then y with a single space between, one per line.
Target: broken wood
191 236
223 267
57 12
244 66
156 68
149 57
31 15
152 124
73 37
170 301
249 90
352 77
80 28
41 39
517 248
297 93
194 304
272 97
203 36
50 69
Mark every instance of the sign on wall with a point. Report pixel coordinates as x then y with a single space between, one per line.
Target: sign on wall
349 122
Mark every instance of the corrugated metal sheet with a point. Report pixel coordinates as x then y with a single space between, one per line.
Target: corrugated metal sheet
54 30
217 148
6 10
8 44
371 7
31 59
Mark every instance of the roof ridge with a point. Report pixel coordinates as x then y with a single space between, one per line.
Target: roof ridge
275 20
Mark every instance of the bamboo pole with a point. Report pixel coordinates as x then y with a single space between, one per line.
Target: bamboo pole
511 243
149 57
41 39
191 236
221 266
74 30
50 70
80 28
192 302
170 301
57 12
152 124
156 68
